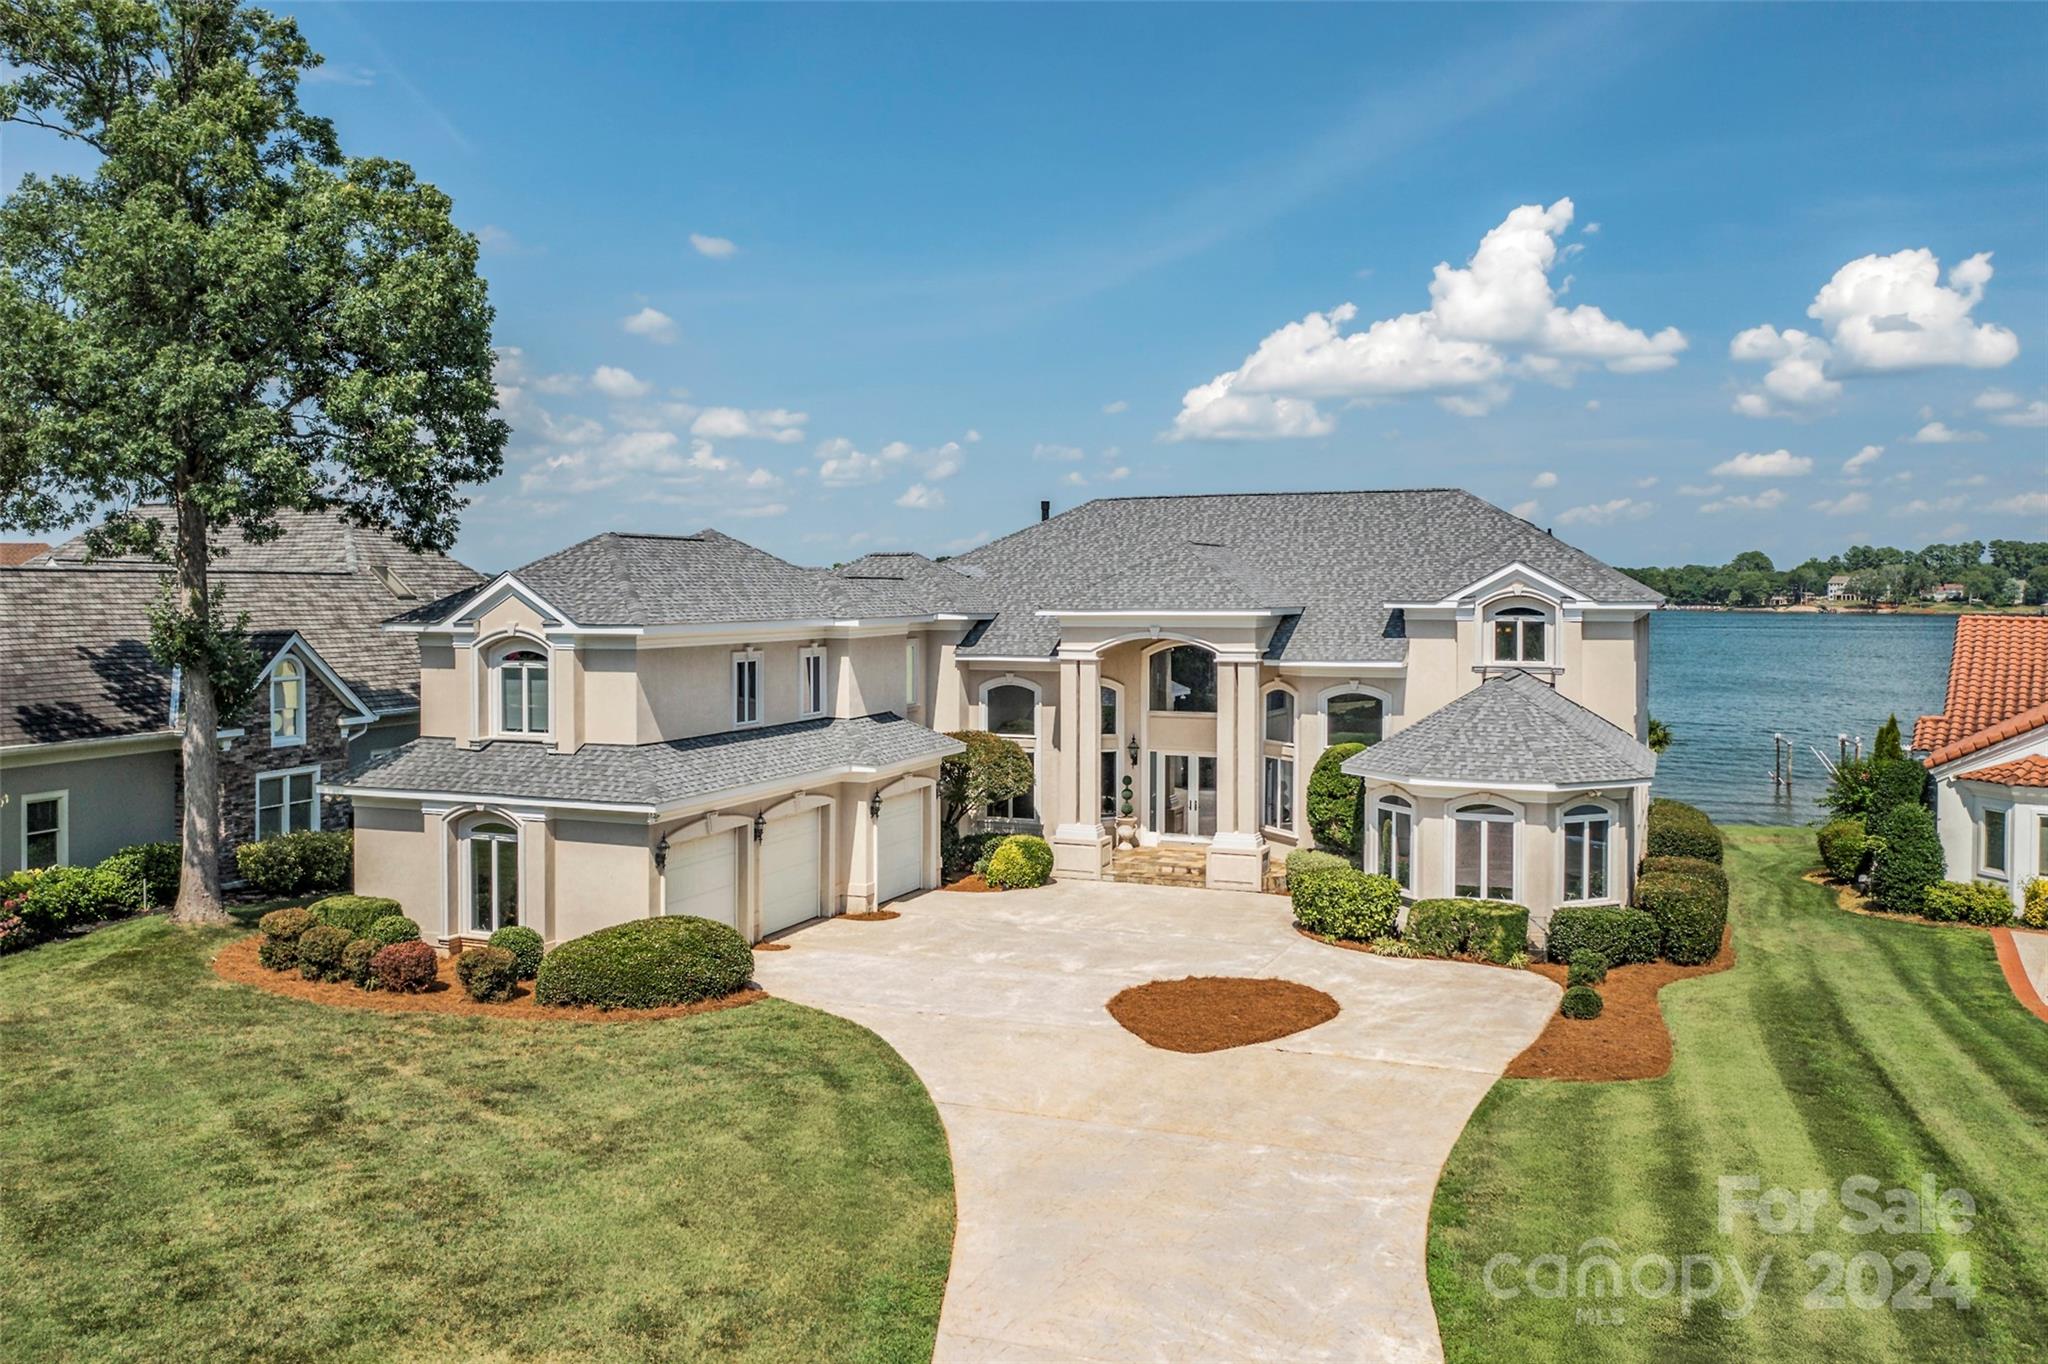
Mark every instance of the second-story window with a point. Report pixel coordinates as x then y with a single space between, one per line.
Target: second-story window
523 692
811 682
1518 636
913 683
746 689
287 704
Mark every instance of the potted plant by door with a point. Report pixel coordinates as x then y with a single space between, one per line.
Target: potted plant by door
1126 818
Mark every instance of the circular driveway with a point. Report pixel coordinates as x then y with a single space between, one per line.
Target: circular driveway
1119 1202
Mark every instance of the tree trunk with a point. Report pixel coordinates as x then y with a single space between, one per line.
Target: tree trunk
199 877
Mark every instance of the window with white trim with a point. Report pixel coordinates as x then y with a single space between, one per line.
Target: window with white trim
1182 678
1587 837
811 681
46 829
1010 709
286 802
1277 809
1394 835
1353 718
287 704
1112 702
1520 635
1997 843
1276 801
913 679
1483 853
522 690
746 689
1280 716
493 876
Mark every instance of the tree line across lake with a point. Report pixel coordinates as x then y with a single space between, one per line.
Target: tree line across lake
2000 573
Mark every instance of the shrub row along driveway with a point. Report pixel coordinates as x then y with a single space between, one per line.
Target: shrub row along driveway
1119 1202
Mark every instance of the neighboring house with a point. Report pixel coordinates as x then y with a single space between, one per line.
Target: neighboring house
1948 592
1988 753
1838 587
90 724
699 727
13 552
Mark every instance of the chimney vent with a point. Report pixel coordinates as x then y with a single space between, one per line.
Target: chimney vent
1045 509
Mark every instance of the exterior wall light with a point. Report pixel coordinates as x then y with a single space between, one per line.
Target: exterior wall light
661 854
875 806
760 825
1132 749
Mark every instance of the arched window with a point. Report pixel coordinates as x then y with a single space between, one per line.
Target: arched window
1519 635
1587 830
493 870
1354 718
522 691
1483 851
1394 830
1280 716
1011 710
287 704
1183 678
1276 805
1110 758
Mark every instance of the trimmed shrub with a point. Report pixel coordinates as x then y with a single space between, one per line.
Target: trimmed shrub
1908 859
1581 1002
1690 915
525 946
1968 902
148 873
1489 930
1844 848
645 964
64 897
320 949
298 864
354 912
1392 947
282 929
355 962
2035 913
960 854
1680 830
1019 862
1334 898
1698 869
1587 968
408 968
1896 782
1333 800
393 928
1623 936
487 974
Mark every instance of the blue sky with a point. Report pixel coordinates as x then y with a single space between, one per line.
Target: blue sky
894 274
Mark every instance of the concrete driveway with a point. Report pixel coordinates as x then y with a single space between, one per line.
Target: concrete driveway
1118 1202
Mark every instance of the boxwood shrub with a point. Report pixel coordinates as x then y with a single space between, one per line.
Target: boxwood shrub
1968 902
1019 862
1581 1002
298 864
1844 848
1333 800
961 853
1680 830
148 873
487 974
355 962
2035 912
1908 859
645 964
1587 968
1690 914
1623 936
1698 868
1491 930
58 898
393 928
406 967
320 949
354 912
525 946
282 929
1336 899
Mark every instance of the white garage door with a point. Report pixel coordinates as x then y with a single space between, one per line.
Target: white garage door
900 854
703 878
790 864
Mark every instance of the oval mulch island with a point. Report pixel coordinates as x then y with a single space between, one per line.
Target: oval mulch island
1214 1013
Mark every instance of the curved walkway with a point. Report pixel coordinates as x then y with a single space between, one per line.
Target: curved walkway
1118 1202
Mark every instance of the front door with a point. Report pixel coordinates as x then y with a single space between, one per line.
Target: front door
1183 797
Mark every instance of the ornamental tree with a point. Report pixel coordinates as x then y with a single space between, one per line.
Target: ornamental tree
990 770
227 316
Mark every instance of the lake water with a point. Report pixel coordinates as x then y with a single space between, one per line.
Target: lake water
1726 681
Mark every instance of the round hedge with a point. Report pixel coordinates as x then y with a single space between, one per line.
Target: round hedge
1581 1002
1680 830
487 974
524 944
1624 936
1844 847
1690 915
407 968
320 949
1698 868
1587 968
1337 900
355 913
393 928
1020 862
646 964
356 959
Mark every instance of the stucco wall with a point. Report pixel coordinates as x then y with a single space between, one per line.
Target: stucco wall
114 801
398 855
603 874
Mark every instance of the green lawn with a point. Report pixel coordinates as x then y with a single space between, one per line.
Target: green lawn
190 1169
1838 1046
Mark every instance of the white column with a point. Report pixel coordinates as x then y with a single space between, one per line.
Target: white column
1237 855
1081 846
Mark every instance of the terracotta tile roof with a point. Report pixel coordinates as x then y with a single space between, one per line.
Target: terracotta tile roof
1997 687
2023 772
14 552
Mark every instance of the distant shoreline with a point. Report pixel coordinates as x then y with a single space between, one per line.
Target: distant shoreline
1913 609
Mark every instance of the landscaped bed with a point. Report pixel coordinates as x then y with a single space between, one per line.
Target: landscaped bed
192 1168
1213 1013
1628 1040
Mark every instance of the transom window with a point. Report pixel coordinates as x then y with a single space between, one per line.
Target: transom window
1012 710
1183 678
493 877
45 829
1279 716
287 704
1995 842
286 802
1484 853
1518 635
1586 836
1354 718
746 689
811 682
523 692
1394 836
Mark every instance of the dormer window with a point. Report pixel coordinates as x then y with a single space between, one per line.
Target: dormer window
1519 635
522 691
746 689
287 704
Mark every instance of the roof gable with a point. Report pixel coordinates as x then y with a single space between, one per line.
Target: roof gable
1997 687
1511 730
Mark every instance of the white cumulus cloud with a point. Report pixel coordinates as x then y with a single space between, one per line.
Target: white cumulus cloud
1863 459
1605 513
1940 433
653 324
1112 408
717 248
614 382
1848 504
2034 414
778 424
1546 479
2024 504
1774 464
1767 500
1996 400
922 497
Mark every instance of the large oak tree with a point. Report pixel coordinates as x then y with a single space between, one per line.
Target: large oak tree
227 316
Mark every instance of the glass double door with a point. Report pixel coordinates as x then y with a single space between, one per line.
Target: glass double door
1183 795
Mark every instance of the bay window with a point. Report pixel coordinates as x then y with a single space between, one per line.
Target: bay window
1587 834
1483 850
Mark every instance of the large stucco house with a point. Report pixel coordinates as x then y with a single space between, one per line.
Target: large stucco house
647 724
1987 753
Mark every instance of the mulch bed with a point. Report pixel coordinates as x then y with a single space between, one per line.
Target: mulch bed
1628 1041
873 916
237 963
972 885
1212 1013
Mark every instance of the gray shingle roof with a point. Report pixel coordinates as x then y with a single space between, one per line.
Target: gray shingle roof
1510 730
1336 558
74 636
939 587
702 579
660 775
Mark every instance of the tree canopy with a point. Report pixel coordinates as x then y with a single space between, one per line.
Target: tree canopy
2000 573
